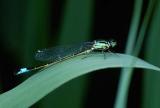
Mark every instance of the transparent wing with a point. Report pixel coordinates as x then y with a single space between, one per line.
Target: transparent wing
59 52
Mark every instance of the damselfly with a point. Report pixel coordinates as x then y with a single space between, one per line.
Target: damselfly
58 54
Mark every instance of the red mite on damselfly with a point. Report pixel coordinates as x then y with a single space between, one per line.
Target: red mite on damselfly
59 53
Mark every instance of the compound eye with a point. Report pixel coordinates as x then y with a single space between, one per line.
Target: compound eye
113 43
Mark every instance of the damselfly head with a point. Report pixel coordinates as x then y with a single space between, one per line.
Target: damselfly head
113 43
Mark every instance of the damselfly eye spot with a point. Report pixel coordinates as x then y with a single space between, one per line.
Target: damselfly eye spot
39 51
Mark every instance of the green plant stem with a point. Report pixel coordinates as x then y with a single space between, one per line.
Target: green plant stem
126 74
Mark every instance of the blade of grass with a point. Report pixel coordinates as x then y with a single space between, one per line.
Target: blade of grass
47 80
151 88
126 74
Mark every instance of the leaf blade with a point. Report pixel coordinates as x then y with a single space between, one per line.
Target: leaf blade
47 80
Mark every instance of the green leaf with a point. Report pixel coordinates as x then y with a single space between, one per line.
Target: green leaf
48 79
